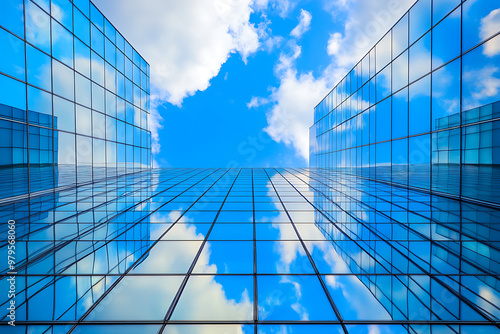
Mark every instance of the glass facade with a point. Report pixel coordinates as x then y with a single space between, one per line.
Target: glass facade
422 108
393 230
74 103
251 251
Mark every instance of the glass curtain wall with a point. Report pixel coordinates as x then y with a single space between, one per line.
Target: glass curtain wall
74 103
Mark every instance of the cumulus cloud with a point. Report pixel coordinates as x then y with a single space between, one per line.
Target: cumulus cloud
155 124
490 25
482 84
289 119
367 21
291 113
185 42
290 105
209 300
304 24
282 7
348 291
256 102
334 43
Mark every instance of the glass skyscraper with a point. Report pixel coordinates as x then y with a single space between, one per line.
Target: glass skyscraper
251 251
394 229
75 97
422 108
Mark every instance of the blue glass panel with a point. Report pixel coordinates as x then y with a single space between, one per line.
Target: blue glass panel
110 128
83 148
83 121
139 287
279 297
479 22
446 39
14 93
83 5
98 125
110 52
39 68
62 44
110 104
419 161
83 90
419 116
81 26
40 146
383 80
97 98
12 16
44 4
120 62
63 80
64 114
233 295
62 11
446 96
383 115
110 78
12 61
109 31
97 41
442 8
13 144
39 107
82 58
96 17
420 58
383 52
480 75
400 72
97 69
420 19
37 27
120 42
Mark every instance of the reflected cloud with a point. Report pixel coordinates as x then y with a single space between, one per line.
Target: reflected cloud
490 25
205 297
357 300
486 84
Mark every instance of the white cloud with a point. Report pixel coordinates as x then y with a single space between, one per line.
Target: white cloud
367 21
291 114
256 102
268 41
155 124
185 42
490 25
282 7
482 84
208 301
304 24
288 121
334 43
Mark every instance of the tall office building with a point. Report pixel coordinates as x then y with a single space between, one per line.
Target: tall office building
103 245
251 251
405 153
422 108
74 103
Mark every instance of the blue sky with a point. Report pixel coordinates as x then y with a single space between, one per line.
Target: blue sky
234 82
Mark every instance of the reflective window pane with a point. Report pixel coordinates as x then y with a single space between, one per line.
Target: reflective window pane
12 61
